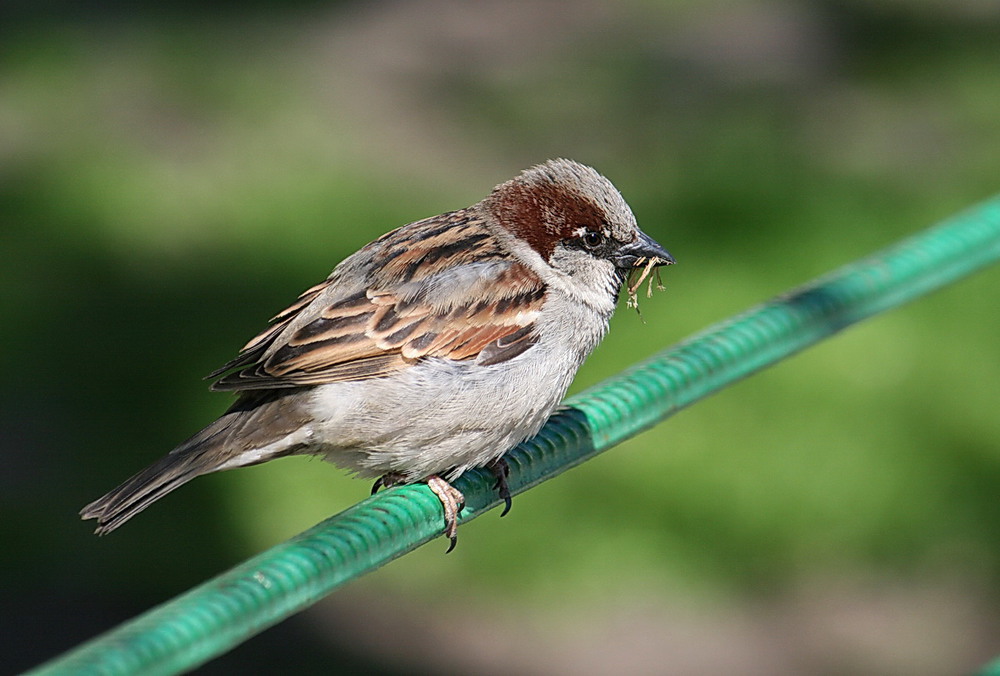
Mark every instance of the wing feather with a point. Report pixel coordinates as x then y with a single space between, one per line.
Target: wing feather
438 288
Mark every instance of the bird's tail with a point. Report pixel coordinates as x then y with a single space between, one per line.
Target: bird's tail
201 454
256 428
169 472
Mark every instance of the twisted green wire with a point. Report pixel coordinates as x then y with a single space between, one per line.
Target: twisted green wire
991 669
221 613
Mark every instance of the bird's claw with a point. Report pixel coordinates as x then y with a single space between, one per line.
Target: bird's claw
387 480
452 501
501 470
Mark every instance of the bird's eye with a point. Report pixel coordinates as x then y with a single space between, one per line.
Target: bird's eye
592 239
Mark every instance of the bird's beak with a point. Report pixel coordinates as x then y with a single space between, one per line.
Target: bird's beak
640 252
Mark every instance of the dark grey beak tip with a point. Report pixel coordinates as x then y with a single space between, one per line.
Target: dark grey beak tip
643 249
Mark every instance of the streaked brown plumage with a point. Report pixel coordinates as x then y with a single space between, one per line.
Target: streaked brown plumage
433 349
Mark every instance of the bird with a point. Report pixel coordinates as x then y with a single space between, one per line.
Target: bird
432 350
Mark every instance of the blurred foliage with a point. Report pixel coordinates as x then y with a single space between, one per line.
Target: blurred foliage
168 180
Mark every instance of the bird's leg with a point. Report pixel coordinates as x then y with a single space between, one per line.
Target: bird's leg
387 481
452 500
501 470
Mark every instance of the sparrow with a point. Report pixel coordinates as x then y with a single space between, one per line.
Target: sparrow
434 349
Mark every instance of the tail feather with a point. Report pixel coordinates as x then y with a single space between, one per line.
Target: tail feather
201 454
142 490
253 422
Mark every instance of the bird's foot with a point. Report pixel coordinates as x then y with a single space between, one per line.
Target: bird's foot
452 500
501 470
388 481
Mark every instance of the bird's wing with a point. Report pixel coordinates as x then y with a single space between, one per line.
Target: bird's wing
441 288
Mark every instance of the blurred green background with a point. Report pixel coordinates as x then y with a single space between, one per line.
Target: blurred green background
170 178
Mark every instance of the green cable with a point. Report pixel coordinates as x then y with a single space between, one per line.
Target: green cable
227 610
991 669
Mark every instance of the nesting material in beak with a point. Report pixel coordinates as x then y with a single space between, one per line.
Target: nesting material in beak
639 274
